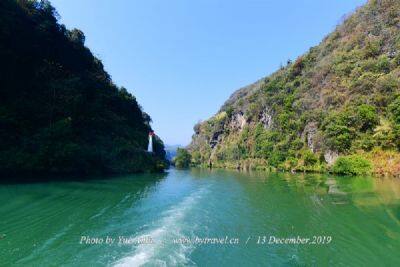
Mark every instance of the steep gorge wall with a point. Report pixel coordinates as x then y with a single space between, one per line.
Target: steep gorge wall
339 98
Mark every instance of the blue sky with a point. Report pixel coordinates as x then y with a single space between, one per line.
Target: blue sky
183 58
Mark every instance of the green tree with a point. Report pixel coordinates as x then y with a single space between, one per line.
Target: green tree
367 117
394 109
183 158
310 158
384 134
338 134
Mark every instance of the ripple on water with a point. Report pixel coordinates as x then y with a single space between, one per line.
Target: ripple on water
162 252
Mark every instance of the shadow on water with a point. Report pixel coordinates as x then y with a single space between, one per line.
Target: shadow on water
34 178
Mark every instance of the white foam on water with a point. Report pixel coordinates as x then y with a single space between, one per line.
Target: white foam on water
163 252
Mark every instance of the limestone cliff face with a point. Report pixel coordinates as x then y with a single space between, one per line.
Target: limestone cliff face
328 102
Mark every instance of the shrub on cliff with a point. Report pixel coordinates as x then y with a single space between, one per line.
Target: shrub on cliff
352 165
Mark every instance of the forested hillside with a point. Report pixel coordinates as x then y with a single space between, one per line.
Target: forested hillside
60 112
340 99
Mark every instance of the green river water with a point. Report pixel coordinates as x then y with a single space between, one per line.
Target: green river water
202 218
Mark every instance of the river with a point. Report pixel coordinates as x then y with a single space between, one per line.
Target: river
202 218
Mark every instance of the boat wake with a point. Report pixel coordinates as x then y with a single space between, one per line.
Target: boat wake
163 251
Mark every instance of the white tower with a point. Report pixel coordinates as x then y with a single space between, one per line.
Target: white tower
150 148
